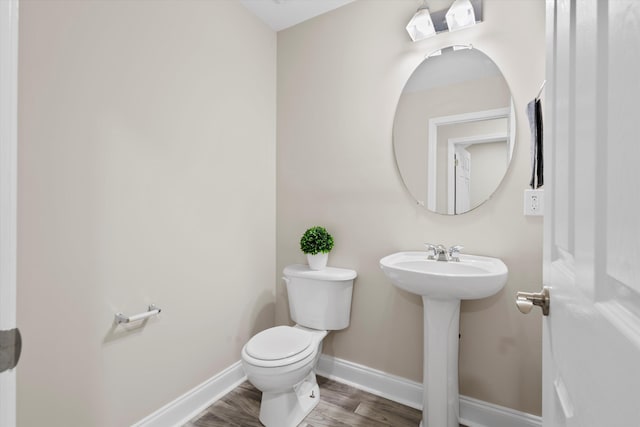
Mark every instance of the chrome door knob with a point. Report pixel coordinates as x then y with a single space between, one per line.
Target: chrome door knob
526 300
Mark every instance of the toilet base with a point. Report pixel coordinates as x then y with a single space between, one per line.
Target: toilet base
288 409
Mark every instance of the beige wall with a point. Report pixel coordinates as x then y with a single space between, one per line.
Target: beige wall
147 157
146 175
339 79
489 164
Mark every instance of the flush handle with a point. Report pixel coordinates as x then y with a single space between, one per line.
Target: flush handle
526 300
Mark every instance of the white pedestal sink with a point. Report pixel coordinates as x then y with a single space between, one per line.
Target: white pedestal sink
442 284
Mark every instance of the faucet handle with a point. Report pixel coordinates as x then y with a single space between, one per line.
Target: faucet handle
431 249
454 252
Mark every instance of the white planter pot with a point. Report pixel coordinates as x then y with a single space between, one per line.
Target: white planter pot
318 261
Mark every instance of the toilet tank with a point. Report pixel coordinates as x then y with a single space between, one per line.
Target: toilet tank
319 299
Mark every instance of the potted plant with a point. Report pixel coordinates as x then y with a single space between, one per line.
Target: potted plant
316 242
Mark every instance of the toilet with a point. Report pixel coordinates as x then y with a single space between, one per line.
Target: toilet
281 361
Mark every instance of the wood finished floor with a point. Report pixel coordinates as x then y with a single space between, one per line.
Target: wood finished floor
340 406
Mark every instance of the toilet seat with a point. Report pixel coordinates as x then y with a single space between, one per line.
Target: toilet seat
279 346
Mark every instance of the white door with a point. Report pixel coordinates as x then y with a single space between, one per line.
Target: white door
463 180
8 203
591 338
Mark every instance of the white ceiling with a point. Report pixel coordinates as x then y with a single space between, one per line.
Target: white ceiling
281 14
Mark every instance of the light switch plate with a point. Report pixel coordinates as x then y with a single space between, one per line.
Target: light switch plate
534 202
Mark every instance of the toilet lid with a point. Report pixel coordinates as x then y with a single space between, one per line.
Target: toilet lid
278 343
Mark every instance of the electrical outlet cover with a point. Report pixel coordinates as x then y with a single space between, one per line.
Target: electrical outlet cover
534 202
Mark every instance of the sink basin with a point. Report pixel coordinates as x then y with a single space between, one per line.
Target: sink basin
472 277
442 284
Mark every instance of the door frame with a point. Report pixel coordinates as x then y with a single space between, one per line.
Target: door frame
8 192
468 141
432 154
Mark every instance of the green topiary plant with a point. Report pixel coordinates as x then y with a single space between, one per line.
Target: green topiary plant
316 240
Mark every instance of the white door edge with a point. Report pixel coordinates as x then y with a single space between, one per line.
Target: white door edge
8 192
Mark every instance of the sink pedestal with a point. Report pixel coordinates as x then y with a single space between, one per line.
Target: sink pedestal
442 285
441 406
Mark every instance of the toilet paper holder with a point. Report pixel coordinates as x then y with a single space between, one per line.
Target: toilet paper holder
152 311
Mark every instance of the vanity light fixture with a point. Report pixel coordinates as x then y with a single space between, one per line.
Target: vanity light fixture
460 15
421 26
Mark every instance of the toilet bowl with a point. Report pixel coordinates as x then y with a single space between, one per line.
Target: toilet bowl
281 361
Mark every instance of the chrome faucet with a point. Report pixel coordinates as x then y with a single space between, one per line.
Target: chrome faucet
441 253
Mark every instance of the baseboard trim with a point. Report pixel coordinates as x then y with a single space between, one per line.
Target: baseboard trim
184 408
478 413
371 380
473 412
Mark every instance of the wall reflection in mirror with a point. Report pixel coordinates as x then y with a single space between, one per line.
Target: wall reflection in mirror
454 130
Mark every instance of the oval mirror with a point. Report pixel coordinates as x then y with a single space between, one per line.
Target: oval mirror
454 130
